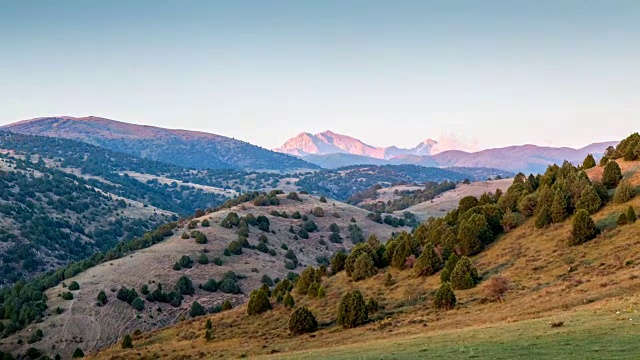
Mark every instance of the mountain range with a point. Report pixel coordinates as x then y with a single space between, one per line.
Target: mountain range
194 149
330 150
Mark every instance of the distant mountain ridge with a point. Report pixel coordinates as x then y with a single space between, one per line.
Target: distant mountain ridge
330 150
194 149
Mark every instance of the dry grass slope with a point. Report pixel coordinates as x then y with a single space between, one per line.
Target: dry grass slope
85 325
593 289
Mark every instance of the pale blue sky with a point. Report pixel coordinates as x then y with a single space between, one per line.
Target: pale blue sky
388 72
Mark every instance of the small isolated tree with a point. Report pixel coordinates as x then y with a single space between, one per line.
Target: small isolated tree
584 229
611 175
622 219
288 301
428 263
588 162
127 342
317 211
102 297
445 298
196 309
258 303
497 286
302 321
464 275
74 286
631 215
226 305
184 286
78 353
321 292
138 304
235 247
363 268
203 259
353 310
624 192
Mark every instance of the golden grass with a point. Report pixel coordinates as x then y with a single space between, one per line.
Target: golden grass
550 282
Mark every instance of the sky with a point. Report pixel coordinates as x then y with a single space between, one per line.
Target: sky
561 73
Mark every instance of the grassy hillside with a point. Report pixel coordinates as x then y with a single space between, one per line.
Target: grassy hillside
589 292
85 325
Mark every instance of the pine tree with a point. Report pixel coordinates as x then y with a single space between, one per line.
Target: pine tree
473 232
624 192
588 162
127 342
631 215
196 310
321 292
589 200
543 218
611 175
584 229
464 275
288 301
622 220
559 207
102 297
258 303
428 263
353 310
302 321
445 298
78 353
363 268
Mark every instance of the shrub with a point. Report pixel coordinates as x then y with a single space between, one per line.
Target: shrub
317 211
428 263
631 215
258 303
235 247
102 297
217 261
338 262
67 295
226 305
497 286
31 353
307 277
611 175
267 280
323 199
229 286
622 220
288 301
589 200
262 247
624 192
184 286
205 223
196 310
185 261
203 259
588 162
309 226
127 342
77 353
293 196
176 266
74 286
353 310
296 215
372 306
302 321
210 286
313 289
445 298
303 233
543 218
201 238
363 267
321 292
185 235
138 304
464 275
584 229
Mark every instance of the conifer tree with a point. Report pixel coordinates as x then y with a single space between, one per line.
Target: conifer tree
588 162
473 232
258 303
127 342
428 263
559 207
584 229
543 218
288 301
445 298
589 200
302 321
464 275
611 175
624 192
631 215
363 268
353 310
